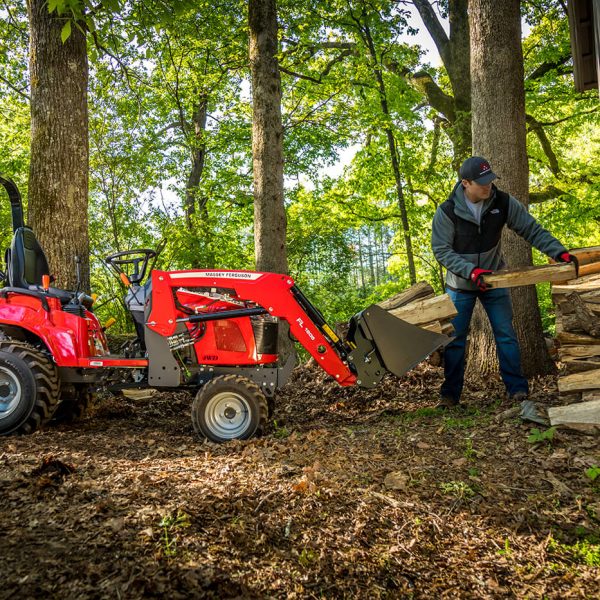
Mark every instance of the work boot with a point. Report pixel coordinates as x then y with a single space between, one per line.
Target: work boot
447 402
518 397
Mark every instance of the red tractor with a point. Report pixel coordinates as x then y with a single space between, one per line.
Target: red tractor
214 332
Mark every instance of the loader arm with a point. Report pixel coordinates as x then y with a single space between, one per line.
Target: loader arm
275 293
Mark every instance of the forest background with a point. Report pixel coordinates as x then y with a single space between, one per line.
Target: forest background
170 130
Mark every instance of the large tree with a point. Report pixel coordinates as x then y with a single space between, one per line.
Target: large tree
267 139
58 174
499 134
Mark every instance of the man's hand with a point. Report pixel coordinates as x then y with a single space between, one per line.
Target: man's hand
565 257
477 278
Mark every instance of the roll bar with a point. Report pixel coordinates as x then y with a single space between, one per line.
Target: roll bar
16 204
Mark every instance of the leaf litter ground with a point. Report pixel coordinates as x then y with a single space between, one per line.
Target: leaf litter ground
350 494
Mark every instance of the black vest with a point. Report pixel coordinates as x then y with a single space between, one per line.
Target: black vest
470 238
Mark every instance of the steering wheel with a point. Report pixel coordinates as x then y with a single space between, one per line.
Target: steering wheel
137 260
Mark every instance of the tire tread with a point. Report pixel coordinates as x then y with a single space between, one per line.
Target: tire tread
46 379
234 380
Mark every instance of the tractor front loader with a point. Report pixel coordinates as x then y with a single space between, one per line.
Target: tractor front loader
213 332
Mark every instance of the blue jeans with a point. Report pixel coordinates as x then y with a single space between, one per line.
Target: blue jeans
498 306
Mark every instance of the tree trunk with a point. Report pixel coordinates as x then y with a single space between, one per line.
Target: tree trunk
393 148
199 229
267 139
498 105
58 174
198 157
270 223
412 271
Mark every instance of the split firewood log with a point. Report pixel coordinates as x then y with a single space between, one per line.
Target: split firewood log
584 319
438 308
415 292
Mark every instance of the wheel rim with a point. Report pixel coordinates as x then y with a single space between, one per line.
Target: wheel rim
10 392
227 415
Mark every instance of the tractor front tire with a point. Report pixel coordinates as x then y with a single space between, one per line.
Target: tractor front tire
229 407
28 388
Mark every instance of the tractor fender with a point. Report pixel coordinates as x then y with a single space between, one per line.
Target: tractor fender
62 338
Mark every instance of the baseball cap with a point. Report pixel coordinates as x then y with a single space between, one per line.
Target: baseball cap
477 169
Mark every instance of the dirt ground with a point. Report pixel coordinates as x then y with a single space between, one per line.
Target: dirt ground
350 494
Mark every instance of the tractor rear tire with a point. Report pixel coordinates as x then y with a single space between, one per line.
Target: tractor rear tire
29 387
74 402
229 407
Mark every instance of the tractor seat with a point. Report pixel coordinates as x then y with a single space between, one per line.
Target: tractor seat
25 260
26 263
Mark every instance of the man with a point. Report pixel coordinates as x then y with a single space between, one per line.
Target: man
466 239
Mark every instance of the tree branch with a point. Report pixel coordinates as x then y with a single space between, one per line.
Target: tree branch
434 145
436 97
429 195
538 129
550 123
14 88
550 192
305 118
545 67
435 29
314 48
323 73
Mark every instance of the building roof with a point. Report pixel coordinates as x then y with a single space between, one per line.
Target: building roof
584 24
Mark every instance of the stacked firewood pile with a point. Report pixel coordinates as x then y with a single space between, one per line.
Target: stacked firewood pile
420 306
578 333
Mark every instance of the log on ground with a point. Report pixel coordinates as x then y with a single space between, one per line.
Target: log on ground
582 413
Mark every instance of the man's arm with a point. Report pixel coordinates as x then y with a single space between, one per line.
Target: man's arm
521 222
442 238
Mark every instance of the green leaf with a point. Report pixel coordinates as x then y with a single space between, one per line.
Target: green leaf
52 5
65 32
593 472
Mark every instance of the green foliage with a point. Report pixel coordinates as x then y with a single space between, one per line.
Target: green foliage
507 550
593 473
155 64
81 13
458 489
420 413
307 557
582 552
171 526
536 436
280 431
470 453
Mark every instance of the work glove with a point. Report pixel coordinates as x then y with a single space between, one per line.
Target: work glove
476 277
565 257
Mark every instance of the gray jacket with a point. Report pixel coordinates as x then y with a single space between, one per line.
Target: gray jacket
461 244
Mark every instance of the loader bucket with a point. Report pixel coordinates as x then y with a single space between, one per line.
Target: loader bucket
386 343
